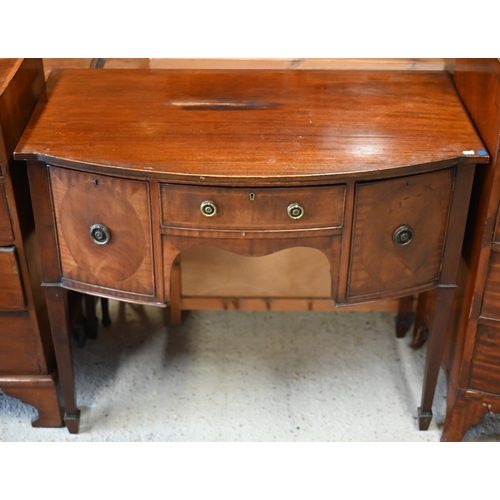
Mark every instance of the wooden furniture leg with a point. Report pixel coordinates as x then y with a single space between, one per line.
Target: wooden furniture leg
405 316
57 304
106 320
460 415
420 327
439 313
39 392
175 294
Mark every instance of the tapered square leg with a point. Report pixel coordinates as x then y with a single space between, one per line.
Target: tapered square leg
57 305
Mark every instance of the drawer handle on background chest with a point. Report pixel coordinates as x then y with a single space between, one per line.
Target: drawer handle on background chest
295 211
208 208
403 235
100 234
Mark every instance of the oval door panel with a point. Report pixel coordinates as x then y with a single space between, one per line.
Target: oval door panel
85 205
399 232
104 230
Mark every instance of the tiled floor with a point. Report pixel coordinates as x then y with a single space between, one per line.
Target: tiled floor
246 376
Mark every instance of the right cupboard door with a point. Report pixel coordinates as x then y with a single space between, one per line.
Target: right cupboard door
399 230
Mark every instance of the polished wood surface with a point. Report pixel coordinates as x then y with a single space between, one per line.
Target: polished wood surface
40 392
262 209
276 127
22 83
18 346
11 288
471 348
353 148
485 372
82 200
491 298
420 202
27 361
6 234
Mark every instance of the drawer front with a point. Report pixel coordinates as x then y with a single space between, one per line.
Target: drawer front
85 202
491 297
11 288
5 224
399 232
18 345
485 365
252 209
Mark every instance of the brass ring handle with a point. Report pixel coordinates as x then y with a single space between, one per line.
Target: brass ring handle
100 234
403 235
295 211
208 208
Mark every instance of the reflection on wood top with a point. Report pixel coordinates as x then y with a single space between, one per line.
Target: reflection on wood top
247 125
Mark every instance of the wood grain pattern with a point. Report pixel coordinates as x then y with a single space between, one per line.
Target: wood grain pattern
491 297
275 126
11 288
421 202
17 345
6 234
40 392
324 207
27 361
485 372
478 84
462 412
22 85
82 200
208 271
400 138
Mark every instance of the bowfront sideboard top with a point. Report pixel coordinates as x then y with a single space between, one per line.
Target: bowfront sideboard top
128 168
240 127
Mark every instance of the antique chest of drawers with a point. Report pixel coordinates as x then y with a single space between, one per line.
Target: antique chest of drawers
129 168
27 362
472 351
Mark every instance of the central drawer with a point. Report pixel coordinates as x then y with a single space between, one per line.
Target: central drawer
252 209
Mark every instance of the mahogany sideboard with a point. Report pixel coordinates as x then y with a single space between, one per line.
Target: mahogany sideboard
27 361
128 168
472 351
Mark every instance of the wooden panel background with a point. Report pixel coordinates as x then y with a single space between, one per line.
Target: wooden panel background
491 298
485 375
11 289
6 233
298 278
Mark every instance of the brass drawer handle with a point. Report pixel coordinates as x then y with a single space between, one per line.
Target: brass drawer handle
403 235
208 208
295 211
100 234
